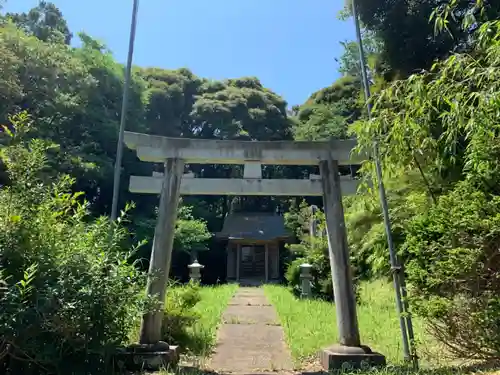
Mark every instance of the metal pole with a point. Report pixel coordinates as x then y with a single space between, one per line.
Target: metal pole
123 117
411 334
405 321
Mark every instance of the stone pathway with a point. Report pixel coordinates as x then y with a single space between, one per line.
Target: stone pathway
250 340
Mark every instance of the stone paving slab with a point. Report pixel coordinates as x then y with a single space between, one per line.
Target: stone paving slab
255 344
239 300
249 292
238 314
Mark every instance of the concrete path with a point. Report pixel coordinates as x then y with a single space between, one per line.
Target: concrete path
250 340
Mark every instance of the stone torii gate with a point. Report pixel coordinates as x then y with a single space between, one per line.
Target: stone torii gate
176 152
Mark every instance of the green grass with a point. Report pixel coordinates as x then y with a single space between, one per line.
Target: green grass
310 325
214 300
201 336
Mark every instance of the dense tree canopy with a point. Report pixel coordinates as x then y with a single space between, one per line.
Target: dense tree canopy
45 21
329 111
410 40
73 98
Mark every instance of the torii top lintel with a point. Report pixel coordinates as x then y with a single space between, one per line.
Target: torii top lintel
152 148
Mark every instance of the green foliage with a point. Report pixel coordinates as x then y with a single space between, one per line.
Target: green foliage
329 111
349 61
71 295
240 108
45 21
455 271
315 253
311 250
407 197
297 218
411 42
75 96
180 315
170 95
441 122
321 122
438 141
190 234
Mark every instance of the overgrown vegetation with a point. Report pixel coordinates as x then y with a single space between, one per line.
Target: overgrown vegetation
193 314
310 325
312 250
438 141
71 293
214 300
441 127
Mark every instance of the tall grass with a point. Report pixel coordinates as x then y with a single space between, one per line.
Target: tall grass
310 325
214 300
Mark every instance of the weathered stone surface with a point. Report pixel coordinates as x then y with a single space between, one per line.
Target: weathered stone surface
145 357
249 301
346 358
153 148
238 314
254 187
252 344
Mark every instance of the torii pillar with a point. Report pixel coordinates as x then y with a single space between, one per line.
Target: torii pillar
161 255
349 351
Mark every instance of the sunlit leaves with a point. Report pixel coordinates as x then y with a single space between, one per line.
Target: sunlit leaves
45 22
240 108
438 116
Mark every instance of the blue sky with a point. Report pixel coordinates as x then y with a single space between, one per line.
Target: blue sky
290 45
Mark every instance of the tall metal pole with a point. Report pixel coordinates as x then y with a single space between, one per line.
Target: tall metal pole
123 116
405 321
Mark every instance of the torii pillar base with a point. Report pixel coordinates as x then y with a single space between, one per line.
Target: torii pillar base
144 357
340 357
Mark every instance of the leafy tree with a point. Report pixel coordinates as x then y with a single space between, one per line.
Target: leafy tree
329 111
240 108
45 21
311 250
70 293
191 235
171 95
454 269
320 122
440 122
410 41
94 126
439 131
75 96
349 61
45 78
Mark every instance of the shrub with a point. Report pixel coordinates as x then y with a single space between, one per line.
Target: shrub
315 252
454 271
317 256
70 293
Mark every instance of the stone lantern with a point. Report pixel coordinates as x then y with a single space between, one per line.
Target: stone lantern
305 278
195 271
